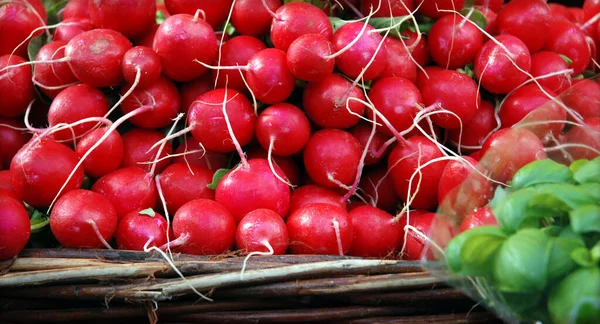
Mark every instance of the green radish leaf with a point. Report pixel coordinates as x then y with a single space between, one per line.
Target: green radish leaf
471 253
148 212
38 221
337 23
381 22
219 174
35 44
160 17
559 257
53 7
576 299
566 59
582 257
476 16
522 262
229 29
589 172
541 171
467 70
585 219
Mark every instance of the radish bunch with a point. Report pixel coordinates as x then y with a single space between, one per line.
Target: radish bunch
310 127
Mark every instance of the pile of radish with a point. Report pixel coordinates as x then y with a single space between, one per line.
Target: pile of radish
267 126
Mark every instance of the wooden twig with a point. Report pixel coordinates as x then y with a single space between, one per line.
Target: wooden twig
463 318
35 264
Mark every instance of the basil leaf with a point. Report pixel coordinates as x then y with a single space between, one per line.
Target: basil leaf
541 171
471 253
576 299
513 210
589 172
592 189
219 174
578 164
582 257
585 219
562 197
499 195
559 256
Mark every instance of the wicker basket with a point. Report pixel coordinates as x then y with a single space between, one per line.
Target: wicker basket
99 286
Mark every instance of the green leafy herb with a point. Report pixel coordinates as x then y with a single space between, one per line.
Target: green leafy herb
541 171
576 299
559 256
471 253
219 174
589 172
585 219
582 257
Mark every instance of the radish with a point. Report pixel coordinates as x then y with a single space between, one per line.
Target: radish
331 157
15 85
356 58
295 19
132 19
310 57
162 99
388 8
205 227
452 42
12 138
417 47
147 61
558 10
490 17
475 131
83 219
213 12
17 20
584 98
495 71
433 8
287 164
253 185
399 63
543 63
54 77
190 91
398 110
138 151
236 51
326 102
14 227
128 189
140 229
251 17
191 153
106 158
568 39
493 5
415 241
72 27
180 41
208 125
479 217
314 194
262 230
376 235
587 134
73 104
405 160
37 183
148 39
6 180
282 128
76 9
320 229
181 184
378 187
527 20
377 146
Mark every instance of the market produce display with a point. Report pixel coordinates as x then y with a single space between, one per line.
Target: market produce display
462 133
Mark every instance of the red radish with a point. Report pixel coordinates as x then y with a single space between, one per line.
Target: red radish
209 227
357 57
543 63
105 158
362 132
74 104
131 19
476 131
269 78
181 40
14 227
161 97
52 78
331 157
584 98
136 149
15 85
204 159
128 189
559 11
250 17
213 11
494 69
568 39
295 19
453 42
509 149
83 219
313 194
376 235
416 245
479 217
259 228
403 162
462 189
529 104
433 8
181 184
190 91
325 102
398 110
208 125
490 16
494 5
36 182
76 9
419 51
141 229
147 61
95 57
17 20
320 229
10 194
72 27
252 185
287 164
455 92
378 187
399 63
309 57
6 180
394 8
236 51
148 39
352 205
589 135
590 9
284 127
527 20
12 140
